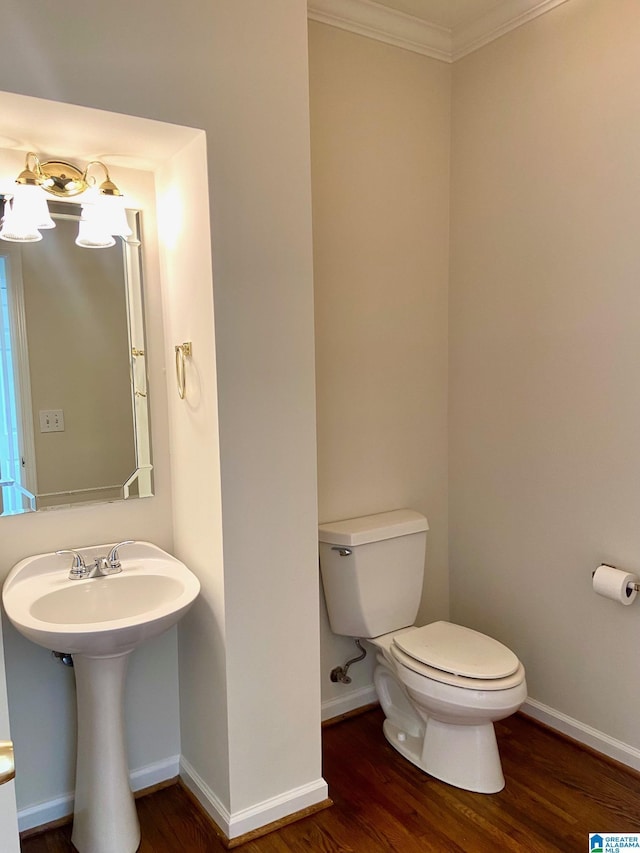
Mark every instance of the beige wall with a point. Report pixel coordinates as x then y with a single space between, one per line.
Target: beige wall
380 165
545 409
543 412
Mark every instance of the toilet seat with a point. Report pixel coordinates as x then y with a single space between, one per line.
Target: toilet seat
461 651
461 657
457 680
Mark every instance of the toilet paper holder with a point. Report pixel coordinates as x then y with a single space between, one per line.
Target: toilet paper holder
633 586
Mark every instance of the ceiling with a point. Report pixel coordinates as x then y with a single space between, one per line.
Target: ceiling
445 13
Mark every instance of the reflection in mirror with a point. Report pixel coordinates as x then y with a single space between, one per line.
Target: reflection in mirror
74 419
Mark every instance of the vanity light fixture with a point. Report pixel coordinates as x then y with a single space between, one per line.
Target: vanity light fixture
26 213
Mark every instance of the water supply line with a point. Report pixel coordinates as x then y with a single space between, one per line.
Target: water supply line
340 672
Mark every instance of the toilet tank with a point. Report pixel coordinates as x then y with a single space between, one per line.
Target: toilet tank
372 569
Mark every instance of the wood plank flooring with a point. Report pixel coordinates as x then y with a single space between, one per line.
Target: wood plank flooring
556 794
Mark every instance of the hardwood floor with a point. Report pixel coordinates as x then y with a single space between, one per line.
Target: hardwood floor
556 794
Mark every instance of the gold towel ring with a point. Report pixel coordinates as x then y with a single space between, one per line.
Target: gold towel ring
182 351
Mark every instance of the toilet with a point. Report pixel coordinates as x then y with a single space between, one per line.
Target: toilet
441 686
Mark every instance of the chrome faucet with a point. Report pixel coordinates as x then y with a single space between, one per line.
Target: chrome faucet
113 557
109 565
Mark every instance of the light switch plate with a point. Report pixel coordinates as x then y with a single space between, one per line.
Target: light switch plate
51 420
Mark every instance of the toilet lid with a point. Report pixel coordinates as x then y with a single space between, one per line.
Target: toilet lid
404 661
457 650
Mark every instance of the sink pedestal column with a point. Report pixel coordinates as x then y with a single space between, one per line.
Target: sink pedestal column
105 818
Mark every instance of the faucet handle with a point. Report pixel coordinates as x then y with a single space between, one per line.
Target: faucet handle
113 558
78 565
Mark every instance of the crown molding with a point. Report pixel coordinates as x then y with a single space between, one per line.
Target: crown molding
506 17
375 21
370 19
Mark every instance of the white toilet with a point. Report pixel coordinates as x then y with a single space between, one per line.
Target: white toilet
441 686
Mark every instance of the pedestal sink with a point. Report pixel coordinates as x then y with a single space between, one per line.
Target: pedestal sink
100 621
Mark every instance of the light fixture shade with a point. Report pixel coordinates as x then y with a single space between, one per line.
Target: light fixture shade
18 226
91 231
30 203
112 212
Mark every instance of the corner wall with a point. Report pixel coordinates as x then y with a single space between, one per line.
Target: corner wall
185 254
380 158
545 406
263 287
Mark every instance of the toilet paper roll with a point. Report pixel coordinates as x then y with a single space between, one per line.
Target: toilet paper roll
614 584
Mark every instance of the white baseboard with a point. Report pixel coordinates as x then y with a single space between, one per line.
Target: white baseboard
246 820
143 777
601 742
349 701
205 795
43 813
153 774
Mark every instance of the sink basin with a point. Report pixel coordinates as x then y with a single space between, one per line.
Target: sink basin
101 615
100 621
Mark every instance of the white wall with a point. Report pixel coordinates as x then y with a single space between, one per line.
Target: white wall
8 820
545 300
239 72
263 287
185 240
42 692
380 156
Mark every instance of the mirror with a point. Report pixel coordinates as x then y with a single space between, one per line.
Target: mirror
74 417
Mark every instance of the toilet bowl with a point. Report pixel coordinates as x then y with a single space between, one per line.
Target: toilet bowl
441 686
438 719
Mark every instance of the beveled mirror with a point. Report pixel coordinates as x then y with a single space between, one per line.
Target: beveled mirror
74 416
